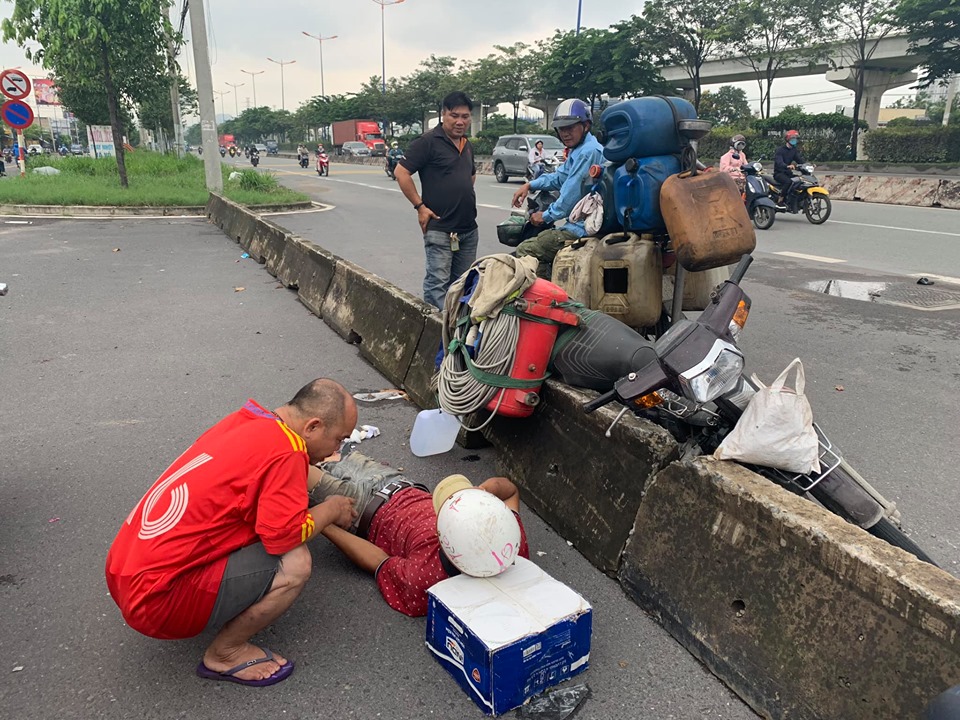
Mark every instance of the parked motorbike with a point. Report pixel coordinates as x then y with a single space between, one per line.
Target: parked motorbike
323 164
391 165
548 164
808 196
254 157
692 382
756 196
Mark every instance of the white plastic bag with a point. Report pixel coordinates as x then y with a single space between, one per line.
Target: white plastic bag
776 429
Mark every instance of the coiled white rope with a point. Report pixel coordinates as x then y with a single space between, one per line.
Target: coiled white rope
460 393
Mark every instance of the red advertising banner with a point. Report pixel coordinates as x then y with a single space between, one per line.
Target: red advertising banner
45 91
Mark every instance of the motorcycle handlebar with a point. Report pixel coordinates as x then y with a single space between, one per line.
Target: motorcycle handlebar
596 403
741 269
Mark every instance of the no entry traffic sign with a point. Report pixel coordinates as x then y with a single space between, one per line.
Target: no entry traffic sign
17 114
14 84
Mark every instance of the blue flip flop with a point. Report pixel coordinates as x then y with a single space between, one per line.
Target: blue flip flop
285 671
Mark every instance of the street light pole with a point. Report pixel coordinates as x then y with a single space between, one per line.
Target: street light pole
236 105
221 93
323 92
253 77
208 112
281 63
579 10
383 42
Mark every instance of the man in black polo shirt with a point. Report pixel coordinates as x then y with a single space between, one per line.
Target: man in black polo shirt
447 209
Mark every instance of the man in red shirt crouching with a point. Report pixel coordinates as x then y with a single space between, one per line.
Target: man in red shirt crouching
218 541
401 536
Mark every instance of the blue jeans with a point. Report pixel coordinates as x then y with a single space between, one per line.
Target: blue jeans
443 265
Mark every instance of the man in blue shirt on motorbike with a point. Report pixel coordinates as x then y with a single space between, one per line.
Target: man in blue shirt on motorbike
572 122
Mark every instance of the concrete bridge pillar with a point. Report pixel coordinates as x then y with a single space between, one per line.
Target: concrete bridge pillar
548 107
875 83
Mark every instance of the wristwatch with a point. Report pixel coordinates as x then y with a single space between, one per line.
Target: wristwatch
418 205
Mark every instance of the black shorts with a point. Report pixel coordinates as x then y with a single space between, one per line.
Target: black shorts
246 579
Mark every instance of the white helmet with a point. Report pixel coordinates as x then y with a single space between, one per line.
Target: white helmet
478 533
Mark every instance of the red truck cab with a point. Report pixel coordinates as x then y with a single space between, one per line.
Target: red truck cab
365 131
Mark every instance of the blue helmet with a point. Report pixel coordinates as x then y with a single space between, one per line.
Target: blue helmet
570 112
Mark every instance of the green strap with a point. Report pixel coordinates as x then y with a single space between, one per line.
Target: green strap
493 379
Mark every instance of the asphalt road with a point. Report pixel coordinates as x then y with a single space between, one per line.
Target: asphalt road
884 380
121 342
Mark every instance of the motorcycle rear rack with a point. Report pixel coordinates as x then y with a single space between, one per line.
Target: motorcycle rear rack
829 461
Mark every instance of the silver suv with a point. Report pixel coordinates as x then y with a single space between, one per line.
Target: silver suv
510 154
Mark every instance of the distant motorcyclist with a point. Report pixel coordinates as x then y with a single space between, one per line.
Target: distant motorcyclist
734 159
394 154
787 158
535 160
572 122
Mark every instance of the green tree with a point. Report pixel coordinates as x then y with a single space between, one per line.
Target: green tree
934 30
685 34
155 110
192 134
770 37
596 63
117 44
727 106
429 84
862 24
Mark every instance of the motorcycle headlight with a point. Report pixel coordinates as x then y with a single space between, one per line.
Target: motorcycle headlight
716 374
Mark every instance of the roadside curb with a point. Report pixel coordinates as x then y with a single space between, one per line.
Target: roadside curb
71 211
800 613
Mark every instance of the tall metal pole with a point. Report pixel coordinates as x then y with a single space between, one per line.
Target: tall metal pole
323 92
221 93
236 102
208 113
383 42
281 63
253 77
579 11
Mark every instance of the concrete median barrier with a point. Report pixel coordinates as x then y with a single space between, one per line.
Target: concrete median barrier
421 370
898 190
267 243
949 194
588 487
801 613
841 187
385 321
315 273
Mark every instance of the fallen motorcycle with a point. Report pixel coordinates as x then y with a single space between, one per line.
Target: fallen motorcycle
691 381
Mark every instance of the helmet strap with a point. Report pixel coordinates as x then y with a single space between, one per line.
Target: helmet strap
448 567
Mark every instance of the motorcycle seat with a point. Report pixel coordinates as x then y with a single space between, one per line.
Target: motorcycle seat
769 179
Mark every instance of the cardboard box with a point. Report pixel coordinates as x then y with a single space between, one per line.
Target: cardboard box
505 639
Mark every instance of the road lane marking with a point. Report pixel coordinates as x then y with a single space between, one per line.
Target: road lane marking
902 229
815 258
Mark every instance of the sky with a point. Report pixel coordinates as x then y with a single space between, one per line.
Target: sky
244 39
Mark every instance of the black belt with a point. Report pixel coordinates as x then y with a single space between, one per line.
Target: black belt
379 499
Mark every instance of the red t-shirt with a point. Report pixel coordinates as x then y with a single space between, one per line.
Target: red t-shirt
406 529
243 481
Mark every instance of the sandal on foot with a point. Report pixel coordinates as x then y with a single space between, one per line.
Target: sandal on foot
285 671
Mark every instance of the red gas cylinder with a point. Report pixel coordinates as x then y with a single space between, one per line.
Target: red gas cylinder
534 345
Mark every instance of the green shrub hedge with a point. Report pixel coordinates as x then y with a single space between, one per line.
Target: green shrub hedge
913 145
762 146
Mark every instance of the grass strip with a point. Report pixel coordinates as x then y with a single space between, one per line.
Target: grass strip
156 180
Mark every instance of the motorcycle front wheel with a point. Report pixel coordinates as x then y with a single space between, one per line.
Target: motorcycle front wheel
817 209
763 217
